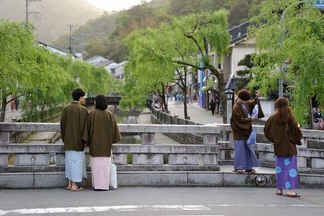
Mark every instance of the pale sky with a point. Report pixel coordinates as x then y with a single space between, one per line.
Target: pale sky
114 5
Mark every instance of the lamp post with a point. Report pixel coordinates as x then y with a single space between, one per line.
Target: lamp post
282 37
229 104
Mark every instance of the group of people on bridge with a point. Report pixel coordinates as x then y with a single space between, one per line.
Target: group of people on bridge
97 130
281 129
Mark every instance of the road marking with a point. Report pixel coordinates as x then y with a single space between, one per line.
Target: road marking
130 208
137 208
265 205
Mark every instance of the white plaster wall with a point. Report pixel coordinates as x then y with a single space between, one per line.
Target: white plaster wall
239 51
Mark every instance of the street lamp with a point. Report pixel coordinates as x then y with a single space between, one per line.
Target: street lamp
229 94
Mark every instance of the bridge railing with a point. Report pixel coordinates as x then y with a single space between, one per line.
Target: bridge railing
35 165
33 157
310 154
214 150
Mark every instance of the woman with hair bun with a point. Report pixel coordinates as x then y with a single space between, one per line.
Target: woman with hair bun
101 132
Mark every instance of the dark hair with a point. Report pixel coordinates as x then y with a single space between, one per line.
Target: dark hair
101 102
283 112
77 93
244 95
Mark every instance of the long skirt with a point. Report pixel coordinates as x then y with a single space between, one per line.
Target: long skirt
75 167
286 172
100 171
244 156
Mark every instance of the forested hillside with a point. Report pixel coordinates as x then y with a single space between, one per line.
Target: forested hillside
50 17
104 36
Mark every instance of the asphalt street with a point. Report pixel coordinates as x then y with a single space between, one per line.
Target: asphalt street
146 201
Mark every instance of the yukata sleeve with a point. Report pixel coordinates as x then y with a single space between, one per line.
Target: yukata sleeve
267 130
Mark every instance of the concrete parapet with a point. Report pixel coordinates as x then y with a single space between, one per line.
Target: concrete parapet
42 165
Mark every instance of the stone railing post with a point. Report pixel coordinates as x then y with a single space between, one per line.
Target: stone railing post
4 138
210 139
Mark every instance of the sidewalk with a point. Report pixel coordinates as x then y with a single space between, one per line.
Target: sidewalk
12 115
196 113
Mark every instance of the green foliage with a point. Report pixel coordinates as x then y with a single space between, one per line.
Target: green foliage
239 12
299 37
159 55
42 80
149 66
104 35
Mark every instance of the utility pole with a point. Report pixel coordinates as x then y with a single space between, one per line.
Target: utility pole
27 11
71 26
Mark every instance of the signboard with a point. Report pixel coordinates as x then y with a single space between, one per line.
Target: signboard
319 4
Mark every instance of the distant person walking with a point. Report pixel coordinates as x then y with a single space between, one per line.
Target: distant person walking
241 124
17 103
72 125
283 131
12 103
101 132
212 106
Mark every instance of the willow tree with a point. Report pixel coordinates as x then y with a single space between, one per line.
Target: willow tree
43 79
17 52
294 31
158 53
205 34
43 93
149 69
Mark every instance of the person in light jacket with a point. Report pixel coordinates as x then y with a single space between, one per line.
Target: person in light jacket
101 132
283 131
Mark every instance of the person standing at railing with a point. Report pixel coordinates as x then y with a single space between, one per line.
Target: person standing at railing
101 132
241 124
283 131
72 125
318 120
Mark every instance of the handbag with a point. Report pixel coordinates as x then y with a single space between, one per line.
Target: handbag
252 138
113 176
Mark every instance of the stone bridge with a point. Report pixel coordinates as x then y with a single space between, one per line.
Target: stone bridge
35 165
112 100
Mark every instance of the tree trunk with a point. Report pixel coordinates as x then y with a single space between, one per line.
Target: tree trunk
3 108
185 108
164 100
221 93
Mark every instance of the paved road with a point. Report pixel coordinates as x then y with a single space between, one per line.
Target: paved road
162 201
196 113
11 115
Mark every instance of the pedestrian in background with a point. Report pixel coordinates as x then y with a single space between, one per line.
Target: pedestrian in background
212 106
241 124
283 131
72 125
101 132
12 103
17 103
318 120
